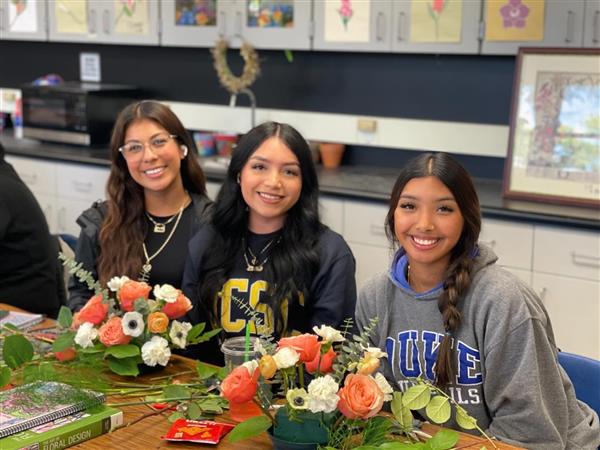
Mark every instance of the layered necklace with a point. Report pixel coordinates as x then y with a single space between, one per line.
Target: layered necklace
159 227
253 262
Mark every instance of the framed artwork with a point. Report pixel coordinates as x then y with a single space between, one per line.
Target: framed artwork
554 140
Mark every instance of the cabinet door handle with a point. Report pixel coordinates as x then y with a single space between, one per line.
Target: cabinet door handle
380 26
106 21
400 28
92 25
62 213
570 25
585 260
222 24
595 34
377 230
238 24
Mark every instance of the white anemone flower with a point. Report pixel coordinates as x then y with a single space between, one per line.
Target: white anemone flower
86 333
156 351
329 334
385 387
132 324
286 357
322 394
116 283
166 292
179 332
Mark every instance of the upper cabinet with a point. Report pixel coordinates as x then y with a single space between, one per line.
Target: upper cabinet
269 24
591 25
23 20
510 24
104 21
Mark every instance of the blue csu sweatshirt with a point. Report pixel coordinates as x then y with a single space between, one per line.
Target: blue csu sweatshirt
508 377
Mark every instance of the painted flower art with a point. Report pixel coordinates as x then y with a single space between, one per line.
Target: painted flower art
514 14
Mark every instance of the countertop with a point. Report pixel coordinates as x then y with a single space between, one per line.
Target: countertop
367 183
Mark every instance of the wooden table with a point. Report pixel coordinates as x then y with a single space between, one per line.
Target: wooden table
145 434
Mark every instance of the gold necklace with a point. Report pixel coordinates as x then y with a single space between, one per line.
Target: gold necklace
147 267
160 227
254 265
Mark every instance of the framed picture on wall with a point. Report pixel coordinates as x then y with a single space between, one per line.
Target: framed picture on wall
554 141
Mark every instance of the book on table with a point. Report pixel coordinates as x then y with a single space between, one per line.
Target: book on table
19 319
66 431
34 404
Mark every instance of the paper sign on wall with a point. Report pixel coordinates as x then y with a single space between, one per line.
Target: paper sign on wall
89 67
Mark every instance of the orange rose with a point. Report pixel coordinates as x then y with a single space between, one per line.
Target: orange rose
158 322
178 308
131 291
306 345
360 398
111 333
94 311
66 355
326 362
239 386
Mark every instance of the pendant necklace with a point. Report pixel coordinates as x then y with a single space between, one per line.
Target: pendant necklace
160 227
254 264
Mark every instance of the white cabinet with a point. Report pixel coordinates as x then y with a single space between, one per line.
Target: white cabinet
332 213
103 21
269 24
212 189
591 25
556 23
24 21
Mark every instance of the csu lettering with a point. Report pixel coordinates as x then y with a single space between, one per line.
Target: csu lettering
414 356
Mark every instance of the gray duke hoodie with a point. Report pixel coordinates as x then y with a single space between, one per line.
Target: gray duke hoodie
508 377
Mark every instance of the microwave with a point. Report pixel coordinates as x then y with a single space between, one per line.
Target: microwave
74 112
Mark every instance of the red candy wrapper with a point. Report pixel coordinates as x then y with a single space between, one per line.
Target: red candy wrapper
199 431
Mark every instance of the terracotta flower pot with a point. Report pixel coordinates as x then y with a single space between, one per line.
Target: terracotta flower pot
331 154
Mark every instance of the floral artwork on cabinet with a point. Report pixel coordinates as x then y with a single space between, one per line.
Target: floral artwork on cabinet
514 20
71 16
347 21
270 13
197 13
132 17
22 16
436 21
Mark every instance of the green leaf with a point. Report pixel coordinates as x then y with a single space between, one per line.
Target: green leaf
176 415
222 373
17 351
443 440
289 56
196 331
63 341
464 420
438 409
5 374
194 412
35 372
416 397
65 317
124 366
205 371
362 447
205 337
176 391
122 351
249 428
401 412
3 313
397 446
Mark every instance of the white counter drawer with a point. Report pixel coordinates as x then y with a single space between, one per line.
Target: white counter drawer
568 252
81 182
332 213
370 260
38 175
512 242
364 223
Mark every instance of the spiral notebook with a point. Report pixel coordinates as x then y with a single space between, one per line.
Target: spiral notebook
37 403
21 320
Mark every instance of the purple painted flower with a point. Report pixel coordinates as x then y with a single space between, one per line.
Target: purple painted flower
514 14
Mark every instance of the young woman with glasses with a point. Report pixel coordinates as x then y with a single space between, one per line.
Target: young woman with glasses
156 198
265 260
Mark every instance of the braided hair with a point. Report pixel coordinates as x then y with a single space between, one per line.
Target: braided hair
457 278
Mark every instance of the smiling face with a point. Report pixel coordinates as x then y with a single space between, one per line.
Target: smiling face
271 182
156 168
428 223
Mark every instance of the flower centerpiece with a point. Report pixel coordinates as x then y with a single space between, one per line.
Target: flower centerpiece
125 325
330 395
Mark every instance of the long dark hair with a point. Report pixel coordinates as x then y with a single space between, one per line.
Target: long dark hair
294 261
124 226
458 274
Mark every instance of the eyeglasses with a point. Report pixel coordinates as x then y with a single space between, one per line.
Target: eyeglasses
135 149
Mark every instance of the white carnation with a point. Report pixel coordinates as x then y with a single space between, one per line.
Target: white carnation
116 283
329 334
322 394
385 387
86 333
179 332
286 357
132 324
156 351
166 292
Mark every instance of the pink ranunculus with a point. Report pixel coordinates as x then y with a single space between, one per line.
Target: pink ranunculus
240 386
306 345
178 308
326 362
111 333
360 398
130 292
94 311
